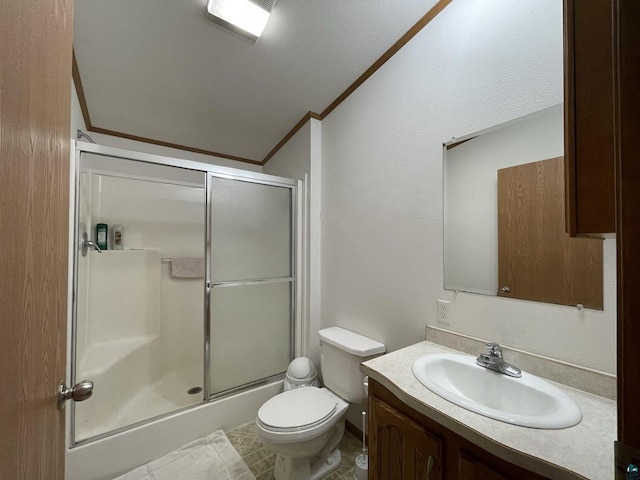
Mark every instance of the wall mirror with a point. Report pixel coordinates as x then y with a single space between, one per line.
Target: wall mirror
504 217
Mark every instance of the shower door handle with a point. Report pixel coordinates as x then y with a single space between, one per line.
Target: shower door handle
78 393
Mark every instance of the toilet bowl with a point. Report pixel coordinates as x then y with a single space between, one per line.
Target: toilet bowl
301 424
304 425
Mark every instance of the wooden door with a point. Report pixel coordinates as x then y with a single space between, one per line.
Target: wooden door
537 259
401 449
35 83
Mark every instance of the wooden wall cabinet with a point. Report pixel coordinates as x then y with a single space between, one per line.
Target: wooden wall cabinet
602 141
589 117
406 445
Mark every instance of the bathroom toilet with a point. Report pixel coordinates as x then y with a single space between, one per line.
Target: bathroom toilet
305 423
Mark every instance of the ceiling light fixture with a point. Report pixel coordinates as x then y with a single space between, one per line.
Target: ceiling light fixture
245 17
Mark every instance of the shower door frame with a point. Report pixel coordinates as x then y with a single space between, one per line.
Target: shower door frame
209 171
272 181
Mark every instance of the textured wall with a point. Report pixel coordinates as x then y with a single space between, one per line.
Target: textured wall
293 159
479 63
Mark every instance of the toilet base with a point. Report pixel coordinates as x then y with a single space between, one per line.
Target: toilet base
323 467
289 468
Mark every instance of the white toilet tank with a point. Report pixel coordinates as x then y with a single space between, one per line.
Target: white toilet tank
342 352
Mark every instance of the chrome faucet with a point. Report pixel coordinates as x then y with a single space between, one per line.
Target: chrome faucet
85 244
493 361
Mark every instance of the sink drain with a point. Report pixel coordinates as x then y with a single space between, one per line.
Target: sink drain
194 390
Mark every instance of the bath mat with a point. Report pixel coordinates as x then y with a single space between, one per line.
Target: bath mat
209 458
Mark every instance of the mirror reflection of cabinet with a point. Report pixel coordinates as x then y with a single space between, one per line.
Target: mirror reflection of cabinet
541 264
537 259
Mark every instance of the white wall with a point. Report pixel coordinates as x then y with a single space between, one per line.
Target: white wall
478 64
77 122
471 194
315 242
293 159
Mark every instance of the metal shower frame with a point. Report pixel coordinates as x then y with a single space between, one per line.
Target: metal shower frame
210 172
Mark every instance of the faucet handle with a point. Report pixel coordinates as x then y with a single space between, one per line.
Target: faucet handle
494 349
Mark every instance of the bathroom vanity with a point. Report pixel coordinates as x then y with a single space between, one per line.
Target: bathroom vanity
408 444
416 434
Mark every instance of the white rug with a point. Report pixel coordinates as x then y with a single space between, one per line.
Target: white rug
209 458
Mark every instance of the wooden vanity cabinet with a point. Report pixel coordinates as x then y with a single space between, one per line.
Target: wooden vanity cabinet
405 448
472 468
406 445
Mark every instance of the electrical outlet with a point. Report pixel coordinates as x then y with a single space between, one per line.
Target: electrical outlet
442 312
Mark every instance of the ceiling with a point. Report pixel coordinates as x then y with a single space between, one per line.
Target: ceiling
159 69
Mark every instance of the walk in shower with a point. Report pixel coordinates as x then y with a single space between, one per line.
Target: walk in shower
193 297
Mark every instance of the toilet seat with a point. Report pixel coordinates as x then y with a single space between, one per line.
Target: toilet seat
299 403
298 408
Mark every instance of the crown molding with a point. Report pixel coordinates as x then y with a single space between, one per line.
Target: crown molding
402 41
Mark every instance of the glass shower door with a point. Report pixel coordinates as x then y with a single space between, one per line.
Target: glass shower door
202 269
251 281
138 320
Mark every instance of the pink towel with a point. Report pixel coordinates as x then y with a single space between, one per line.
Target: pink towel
187 267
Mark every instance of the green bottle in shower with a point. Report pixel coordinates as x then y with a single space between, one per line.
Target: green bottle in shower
101 235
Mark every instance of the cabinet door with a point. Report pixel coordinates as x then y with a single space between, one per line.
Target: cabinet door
589 116
473 469
401 448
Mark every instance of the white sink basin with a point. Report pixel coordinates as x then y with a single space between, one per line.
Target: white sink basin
527 401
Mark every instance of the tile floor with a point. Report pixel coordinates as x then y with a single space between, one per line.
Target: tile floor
261 461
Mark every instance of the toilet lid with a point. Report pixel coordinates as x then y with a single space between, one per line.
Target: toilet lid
297 408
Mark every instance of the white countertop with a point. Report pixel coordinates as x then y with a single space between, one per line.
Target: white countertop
585 449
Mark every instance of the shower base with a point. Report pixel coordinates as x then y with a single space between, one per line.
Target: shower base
114 455
155 399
